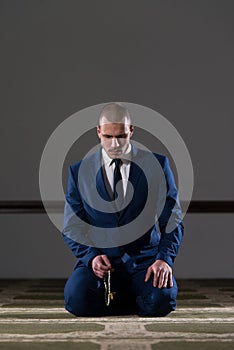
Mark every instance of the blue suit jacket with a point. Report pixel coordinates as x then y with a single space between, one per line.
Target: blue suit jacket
82 216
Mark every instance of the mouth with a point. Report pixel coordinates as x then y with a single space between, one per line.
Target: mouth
115 152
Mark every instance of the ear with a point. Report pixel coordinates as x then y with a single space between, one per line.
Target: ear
99 131
131 127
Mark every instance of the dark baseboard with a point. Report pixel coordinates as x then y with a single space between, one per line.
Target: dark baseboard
37 207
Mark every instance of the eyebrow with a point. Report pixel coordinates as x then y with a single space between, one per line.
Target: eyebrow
117 136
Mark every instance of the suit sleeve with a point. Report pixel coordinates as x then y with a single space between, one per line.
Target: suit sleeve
170 221
76 225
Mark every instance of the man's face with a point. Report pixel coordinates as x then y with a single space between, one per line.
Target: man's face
115 138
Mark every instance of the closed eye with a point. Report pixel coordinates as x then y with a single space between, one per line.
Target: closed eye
122 136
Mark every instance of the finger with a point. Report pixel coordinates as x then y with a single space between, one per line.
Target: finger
147 275
100 265
165 282
98 273
101 270
102 274
97 262
155 281
161 279
104 268
106 261
170 280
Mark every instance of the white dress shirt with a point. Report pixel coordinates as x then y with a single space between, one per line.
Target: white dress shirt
124 168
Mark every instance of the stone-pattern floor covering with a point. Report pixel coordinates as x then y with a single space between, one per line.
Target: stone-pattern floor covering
32 317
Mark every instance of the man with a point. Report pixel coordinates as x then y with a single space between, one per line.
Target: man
121 268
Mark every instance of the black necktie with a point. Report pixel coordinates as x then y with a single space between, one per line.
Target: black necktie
117 178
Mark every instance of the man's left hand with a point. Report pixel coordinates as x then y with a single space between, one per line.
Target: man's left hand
162 274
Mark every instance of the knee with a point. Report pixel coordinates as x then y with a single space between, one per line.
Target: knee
82 294
75 304
76 310
75 299
80 297
157 302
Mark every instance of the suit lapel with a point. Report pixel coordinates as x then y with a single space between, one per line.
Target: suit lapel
134 176
100 180
135 170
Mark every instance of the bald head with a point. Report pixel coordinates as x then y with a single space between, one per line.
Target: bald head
114 113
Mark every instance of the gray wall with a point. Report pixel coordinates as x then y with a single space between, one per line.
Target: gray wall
58 57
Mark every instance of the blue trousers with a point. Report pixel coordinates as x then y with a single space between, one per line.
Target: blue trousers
85 293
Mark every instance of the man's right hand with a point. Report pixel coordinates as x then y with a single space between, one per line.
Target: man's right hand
100 265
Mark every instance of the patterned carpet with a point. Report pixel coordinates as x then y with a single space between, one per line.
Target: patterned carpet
32 317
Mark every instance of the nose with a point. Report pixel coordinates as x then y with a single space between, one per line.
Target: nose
114 142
